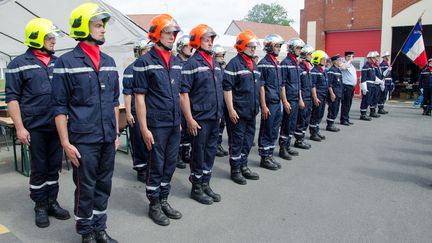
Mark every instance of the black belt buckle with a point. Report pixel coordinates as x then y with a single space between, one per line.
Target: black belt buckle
102 86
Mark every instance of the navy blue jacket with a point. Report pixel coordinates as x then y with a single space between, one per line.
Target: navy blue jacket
271 78
306 80
334 75
28 81
319 80
204 86
291 78
160 86
368 72
384 66
87 97
128 85
245 85
425 80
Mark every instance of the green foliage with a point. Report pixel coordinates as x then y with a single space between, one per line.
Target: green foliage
273 13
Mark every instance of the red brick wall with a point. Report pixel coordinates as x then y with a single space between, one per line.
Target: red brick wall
399 5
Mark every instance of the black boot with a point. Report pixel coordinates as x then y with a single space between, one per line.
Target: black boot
373 113
292 152
267 163
275 162
142 175
428 113
103 237
180 162
168 210
207 190
41 214
382 111
283 153
89 238
321 136
237 177
198 194
55 210
220 151
301 144
248 174
365 117
332 128
315 137
156 213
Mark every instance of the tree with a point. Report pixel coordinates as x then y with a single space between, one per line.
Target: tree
273 13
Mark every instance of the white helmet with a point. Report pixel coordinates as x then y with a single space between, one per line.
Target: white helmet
271 40
218 50
386 54
182 42
371 54
307 49
294 43
376 54
140 45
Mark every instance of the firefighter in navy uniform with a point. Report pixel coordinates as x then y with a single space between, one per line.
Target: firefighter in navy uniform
291 97
241 93
28 96
367 86
270 100
335 90
319 94
184 52
388 82
306 92
202 103
219 55
86 91
425 83
139 151
157 77
377 88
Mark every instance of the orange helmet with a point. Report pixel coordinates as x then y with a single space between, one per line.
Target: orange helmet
244 38
162 22
201 30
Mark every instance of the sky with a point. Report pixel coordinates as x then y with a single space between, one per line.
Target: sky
216 13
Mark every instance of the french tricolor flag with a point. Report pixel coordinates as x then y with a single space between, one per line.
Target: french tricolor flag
414 48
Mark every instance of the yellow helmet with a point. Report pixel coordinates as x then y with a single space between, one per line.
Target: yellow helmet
81 16
318 56
37 29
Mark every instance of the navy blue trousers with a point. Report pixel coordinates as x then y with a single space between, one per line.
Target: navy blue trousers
46 156
427 97
240 140
367 99
269 130
376 93
383 96
93 180
162 161
289 124
317 115
185 136
139 150
333 110
303 120
204 151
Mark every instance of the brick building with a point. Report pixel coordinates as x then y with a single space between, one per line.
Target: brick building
383 25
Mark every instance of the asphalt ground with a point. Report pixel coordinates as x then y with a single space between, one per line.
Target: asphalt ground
370 182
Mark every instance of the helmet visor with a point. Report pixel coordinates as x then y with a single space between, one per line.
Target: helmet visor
172 27
54 33
104 16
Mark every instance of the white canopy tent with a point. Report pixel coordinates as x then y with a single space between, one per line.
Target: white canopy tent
121 32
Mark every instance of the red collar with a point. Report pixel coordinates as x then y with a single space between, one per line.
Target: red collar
321 68
248 60
42 56
306 64
273 59
207 57
165 55
430 68
93 52
293 58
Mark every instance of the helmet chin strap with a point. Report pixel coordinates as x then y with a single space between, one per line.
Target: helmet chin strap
250 56
47 51
205 51
166 48
98 42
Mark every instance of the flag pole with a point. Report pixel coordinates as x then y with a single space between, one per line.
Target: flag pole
406 39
